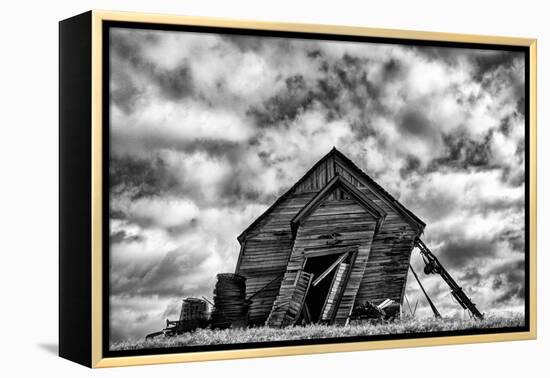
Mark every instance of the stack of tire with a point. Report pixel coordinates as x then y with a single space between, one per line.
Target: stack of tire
230 306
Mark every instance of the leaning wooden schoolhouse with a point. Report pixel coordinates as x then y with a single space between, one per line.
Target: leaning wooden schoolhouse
333 241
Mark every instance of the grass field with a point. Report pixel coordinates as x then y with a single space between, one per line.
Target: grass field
262 334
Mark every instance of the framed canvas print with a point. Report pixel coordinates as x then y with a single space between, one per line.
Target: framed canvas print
235 189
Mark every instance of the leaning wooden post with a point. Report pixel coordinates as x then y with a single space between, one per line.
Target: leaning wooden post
434 309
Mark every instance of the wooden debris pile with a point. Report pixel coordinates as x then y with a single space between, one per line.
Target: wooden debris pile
386 310
194 314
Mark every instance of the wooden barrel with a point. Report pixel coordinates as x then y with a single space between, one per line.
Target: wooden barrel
230 306
194 309
193 315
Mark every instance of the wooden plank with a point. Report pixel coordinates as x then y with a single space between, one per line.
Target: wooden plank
335 291
299 296
287 307
330 269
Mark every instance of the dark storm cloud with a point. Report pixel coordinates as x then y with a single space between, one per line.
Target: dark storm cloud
140 178
176 83
158 141
520 104
463 152
506 125
127 279
314 54
125 91
343 85
520 95
247 44
352 73
163 278
460 251
487 63
483 61
511 278
173 83
219 148
362 129
517 179
415 123
472 276
294 99
439 54
346 84
142 318
122 236
502 205
126 94
128 48
412 165
432 206
182 228
244 43
392 70
236 190
514 292
486 67
493 74
116 214
512 269
516 239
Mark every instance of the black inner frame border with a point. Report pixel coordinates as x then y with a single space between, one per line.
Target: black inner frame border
106 25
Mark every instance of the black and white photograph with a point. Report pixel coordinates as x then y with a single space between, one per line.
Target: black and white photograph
282 189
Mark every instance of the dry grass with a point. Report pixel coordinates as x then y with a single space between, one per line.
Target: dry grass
262 334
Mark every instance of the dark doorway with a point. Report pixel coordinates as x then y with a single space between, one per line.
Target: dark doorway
317 294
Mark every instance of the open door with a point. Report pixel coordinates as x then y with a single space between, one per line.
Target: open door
330 275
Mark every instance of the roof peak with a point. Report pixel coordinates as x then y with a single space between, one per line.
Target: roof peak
339 181
337 154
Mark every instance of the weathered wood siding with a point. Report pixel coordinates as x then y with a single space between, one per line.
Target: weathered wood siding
265 255
386 272
318 177
356 228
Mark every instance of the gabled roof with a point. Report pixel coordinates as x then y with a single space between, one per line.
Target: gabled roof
339 182
396 204
335 153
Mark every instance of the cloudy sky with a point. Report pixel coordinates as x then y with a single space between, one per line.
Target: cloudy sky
208 130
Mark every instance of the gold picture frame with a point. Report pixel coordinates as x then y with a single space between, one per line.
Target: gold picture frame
92 23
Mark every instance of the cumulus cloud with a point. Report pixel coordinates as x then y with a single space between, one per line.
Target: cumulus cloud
208 130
